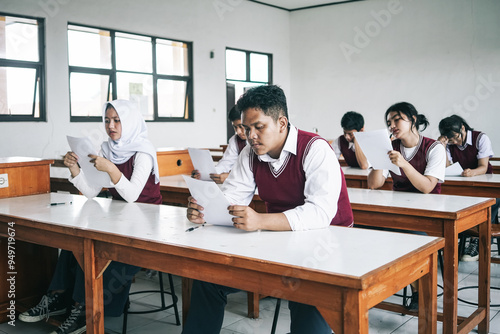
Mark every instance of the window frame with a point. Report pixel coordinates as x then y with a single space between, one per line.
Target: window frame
248 69
40 77
112 73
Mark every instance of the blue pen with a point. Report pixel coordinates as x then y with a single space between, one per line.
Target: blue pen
194 227
54 204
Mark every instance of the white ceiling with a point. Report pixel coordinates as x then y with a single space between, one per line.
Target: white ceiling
296 4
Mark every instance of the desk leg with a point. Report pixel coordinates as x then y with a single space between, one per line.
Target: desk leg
484 272
94 303
450 284
253 301
427 300
187 284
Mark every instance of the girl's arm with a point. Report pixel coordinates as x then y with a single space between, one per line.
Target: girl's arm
130 190
376 179
482 167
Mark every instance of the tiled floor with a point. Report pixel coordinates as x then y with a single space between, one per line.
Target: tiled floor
235 320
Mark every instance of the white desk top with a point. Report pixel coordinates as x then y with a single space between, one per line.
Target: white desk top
408 200
336 250
355 171
490 178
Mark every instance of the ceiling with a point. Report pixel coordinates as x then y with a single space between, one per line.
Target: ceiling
300 4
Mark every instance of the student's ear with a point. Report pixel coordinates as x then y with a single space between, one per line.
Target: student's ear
283 123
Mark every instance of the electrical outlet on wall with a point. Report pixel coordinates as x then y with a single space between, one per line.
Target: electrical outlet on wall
4 180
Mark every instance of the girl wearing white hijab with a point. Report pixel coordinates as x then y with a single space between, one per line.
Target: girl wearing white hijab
130 160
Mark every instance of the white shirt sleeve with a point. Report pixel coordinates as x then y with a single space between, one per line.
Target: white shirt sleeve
229 158
239 187
130 190
484 147
80 182
321 191
436 164
336 147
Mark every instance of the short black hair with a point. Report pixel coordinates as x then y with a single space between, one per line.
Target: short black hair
270 99
234 114
352 121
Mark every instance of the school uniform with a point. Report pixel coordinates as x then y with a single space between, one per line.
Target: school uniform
347 149
234 147
477 146
306 183
135 157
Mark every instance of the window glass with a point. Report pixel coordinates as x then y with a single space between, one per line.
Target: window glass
18 38
88 93
236 65
172 98
259 67
138 88
89 47
133 53
172 57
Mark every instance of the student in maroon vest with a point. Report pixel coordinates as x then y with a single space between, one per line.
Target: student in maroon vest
472 150
234 146
302 184
347 145
129 158
421 160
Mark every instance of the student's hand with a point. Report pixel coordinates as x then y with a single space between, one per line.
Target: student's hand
71 161
219 178
195 174
443 140
245 218
102 164
468 172
194 212
397 158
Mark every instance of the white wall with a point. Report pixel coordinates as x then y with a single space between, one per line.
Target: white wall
442 56
210 25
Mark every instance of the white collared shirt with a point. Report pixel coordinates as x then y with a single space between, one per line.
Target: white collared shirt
230 156
484 147
322 186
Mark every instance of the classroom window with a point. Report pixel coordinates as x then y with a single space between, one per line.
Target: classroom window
105 65
245 69
22 69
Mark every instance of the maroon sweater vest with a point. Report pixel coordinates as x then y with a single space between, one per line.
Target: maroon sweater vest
150 193
284 189
467 156
348 154
241 143
418 161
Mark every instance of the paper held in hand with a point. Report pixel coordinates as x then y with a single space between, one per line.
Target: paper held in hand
211 198
202 161
82 147
454 170
375 145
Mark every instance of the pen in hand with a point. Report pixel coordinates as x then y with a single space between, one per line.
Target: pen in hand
194 227
54 204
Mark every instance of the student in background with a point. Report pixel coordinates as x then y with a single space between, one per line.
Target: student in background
472 150
301 183
421 160
130 160
235 144
347 145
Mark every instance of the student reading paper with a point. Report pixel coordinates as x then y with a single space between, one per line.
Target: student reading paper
130 160
299 179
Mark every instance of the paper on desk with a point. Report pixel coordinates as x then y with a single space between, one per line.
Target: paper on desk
454 170
375 145
202 161
82 147
211 198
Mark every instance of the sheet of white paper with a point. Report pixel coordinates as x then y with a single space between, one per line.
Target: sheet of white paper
454 170
375 145
211 198
202 161
83 147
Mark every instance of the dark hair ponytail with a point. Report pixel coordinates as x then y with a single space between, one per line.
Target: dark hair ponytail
409 110
452 125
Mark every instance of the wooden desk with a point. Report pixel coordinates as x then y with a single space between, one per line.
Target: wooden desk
357 178
25 176
438 215
496 166
173 161
329 268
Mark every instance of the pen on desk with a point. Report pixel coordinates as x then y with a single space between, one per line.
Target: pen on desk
54 204
194 227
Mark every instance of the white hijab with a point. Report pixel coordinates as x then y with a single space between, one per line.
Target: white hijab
134 136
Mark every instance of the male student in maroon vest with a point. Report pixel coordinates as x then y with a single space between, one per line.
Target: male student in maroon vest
301 182
347 145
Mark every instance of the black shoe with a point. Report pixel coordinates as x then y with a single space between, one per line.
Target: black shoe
471 252
413 306
75 324
50 305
